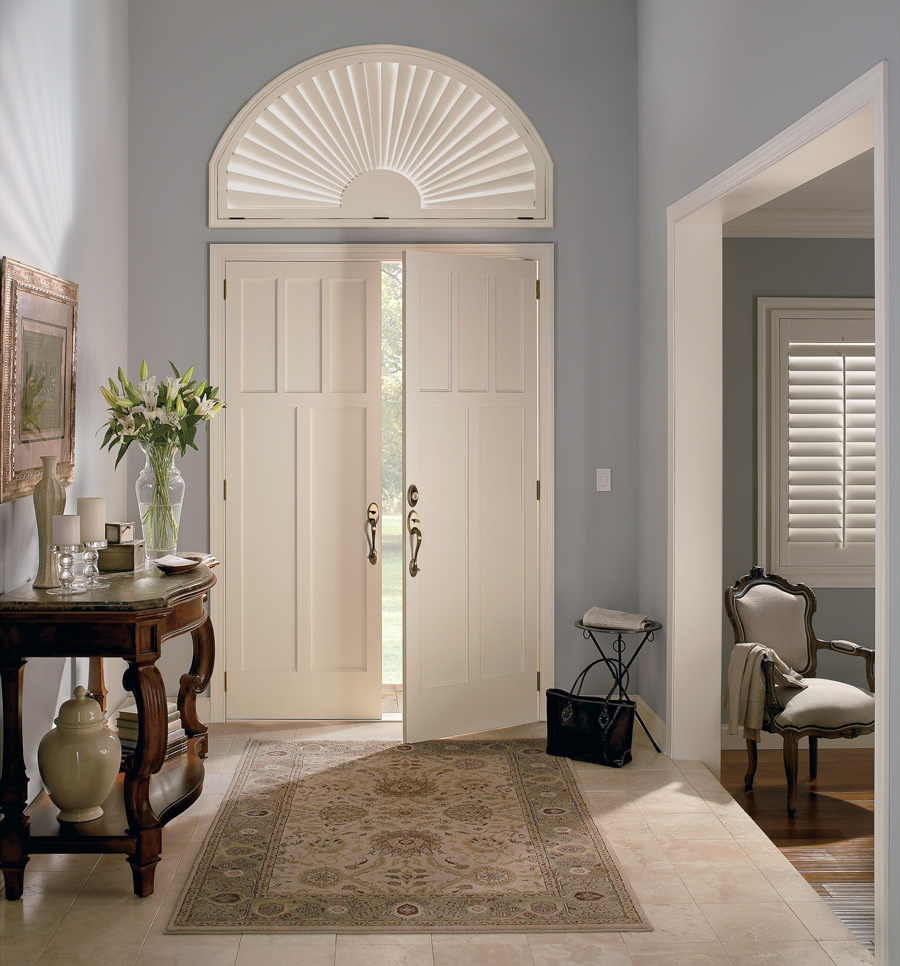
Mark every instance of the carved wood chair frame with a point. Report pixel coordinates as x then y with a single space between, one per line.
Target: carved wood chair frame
792 736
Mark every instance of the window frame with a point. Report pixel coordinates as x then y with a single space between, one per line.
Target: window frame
773 314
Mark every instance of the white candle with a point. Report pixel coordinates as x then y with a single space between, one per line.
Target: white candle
67 530
92 510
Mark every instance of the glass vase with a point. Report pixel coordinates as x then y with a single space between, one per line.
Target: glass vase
160 492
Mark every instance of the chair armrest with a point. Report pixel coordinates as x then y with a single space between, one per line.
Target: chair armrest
773 705
854 650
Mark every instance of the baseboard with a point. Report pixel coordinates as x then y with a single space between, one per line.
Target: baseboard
775 743
655 725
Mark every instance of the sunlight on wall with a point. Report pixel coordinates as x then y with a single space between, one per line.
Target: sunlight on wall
36 128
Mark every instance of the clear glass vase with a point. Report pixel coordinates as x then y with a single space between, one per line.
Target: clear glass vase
160 492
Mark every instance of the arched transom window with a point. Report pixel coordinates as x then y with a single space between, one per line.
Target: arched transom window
376 134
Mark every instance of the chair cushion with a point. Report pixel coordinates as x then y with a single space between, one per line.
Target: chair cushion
825 704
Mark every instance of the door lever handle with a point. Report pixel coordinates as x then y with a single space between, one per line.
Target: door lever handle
372 521
412 524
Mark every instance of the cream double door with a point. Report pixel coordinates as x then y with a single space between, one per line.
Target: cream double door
303 469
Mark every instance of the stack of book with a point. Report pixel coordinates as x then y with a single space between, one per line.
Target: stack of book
127 726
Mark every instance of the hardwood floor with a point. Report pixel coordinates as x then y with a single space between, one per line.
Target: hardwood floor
831 841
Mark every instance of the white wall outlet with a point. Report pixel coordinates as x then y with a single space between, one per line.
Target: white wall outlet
604 481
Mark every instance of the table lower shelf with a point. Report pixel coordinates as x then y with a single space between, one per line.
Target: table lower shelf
173 789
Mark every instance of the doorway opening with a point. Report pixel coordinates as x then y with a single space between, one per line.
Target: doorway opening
391 489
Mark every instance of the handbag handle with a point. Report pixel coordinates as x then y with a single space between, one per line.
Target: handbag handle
579 681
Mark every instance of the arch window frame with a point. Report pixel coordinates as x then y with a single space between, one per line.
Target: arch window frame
446 129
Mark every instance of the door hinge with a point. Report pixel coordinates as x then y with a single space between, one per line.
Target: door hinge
539 489
537 289
226 680
224 489
225 288
539 680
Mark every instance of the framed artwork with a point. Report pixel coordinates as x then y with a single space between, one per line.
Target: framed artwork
39 316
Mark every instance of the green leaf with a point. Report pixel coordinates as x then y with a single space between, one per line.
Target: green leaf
123 449
132 393
177 373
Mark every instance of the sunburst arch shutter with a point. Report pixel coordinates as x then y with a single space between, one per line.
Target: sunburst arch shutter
381 134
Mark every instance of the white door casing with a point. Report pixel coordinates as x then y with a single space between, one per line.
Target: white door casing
471 450
303 463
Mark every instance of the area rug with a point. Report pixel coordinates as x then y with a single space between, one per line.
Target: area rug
373 836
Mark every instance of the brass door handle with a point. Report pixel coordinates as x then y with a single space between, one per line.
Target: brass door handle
372 520
412 524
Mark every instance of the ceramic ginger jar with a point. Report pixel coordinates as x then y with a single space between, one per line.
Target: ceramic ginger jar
79 759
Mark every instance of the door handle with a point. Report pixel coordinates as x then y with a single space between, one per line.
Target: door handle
372 521
412 524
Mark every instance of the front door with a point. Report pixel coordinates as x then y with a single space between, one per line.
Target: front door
303 464
470 484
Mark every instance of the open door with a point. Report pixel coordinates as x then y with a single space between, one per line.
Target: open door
470 484
303 465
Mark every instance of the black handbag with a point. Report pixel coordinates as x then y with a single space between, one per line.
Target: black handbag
589 728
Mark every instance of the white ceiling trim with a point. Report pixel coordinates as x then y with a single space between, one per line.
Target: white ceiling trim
380 134
802 223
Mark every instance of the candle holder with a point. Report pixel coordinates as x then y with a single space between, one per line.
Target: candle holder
91 574
65 557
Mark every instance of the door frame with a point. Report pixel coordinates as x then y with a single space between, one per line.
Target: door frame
851 121
542 253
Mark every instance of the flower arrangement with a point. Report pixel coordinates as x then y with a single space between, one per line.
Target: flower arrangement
163 419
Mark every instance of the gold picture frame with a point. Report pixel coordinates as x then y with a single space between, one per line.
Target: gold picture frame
38 351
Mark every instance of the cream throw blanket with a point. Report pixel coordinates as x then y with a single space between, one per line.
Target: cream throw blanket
745 695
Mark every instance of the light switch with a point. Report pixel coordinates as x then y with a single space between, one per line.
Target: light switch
604 481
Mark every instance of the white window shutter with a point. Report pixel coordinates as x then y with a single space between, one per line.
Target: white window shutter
817 445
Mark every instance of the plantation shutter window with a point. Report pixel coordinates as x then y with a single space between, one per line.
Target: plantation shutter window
818 497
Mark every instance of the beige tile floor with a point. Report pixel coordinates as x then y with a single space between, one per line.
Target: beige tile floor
717 892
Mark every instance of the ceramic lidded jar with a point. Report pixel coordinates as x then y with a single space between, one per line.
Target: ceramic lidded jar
79 759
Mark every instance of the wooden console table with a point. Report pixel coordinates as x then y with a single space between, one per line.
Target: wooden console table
128 616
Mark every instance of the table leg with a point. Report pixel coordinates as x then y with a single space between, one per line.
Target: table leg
96 683
195 682
652 742
13 782
146 683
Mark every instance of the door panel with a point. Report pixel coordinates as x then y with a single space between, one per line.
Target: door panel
303 461
470 403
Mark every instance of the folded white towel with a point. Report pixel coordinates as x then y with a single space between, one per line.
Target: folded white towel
615 619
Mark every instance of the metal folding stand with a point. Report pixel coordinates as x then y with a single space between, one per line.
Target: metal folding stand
617 666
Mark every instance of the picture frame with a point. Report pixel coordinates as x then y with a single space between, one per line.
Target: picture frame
38 353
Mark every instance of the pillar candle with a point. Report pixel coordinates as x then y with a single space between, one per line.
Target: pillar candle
66 530
92 510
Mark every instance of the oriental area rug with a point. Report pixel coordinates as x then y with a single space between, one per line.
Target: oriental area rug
373 836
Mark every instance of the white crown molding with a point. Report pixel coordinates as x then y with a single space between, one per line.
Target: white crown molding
802 223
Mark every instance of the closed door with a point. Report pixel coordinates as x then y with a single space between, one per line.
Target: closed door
303 464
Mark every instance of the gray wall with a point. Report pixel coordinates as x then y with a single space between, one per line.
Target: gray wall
63 209
571 67
788 267
716 80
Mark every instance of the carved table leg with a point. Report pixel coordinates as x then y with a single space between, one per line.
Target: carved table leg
145 681
96 684
195 682
13 782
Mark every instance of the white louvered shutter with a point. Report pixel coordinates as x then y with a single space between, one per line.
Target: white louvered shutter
831 445
822 448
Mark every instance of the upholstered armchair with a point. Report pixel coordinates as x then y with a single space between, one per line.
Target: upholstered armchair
766 609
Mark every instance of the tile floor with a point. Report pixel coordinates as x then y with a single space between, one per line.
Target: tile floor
714 887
